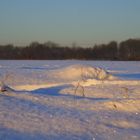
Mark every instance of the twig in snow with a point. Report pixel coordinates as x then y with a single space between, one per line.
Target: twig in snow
79 86
125 92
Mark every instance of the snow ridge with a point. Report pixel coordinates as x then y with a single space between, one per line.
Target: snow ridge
81 72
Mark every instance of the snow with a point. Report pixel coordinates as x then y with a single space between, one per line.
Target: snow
80 72
69 100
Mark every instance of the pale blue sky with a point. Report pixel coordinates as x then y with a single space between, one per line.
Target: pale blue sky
67 21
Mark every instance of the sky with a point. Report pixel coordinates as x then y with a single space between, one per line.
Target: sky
84 22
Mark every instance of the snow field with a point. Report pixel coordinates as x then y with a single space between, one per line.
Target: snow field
50 104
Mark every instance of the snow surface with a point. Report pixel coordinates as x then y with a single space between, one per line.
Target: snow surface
70 100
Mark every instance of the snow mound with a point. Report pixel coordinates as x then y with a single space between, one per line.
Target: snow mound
81 72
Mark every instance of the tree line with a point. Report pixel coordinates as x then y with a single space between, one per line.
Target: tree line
125 50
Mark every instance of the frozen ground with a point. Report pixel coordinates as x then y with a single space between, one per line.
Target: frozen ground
70 100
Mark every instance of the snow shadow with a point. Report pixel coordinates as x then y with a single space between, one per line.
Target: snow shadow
56 91
133 76
53 91
33 68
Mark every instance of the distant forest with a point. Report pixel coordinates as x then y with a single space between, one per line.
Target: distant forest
125 50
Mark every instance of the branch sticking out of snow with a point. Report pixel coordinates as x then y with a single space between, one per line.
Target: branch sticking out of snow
4 87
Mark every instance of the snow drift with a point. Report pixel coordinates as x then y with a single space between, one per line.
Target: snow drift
69 74
81 72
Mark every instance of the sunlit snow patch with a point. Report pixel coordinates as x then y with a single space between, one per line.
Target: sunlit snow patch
80 72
